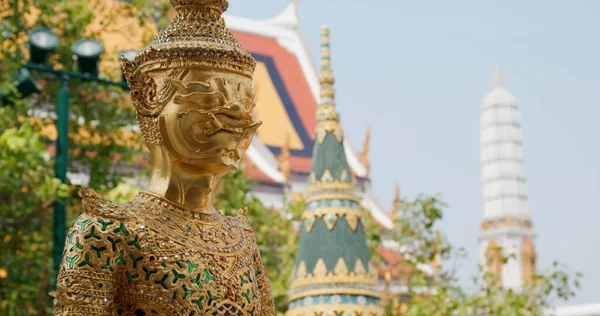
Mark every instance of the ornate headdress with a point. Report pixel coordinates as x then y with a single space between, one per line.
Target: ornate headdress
196 38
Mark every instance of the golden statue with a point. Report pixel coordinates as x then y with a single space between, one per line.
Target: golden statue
169 252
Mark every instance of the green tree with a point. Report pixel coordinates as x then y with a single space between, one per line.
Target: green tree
28 187
434 289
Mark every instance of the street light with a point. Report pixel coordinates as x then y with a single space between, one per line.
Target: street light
26 84
88 53
42 42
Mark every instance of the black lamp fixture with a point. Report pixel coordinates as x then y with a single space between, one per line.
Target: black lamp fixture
24 84
42 42
88 53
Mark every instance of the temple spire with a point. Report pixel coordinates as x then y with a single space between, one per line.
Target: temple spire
328 118
333 255
506 221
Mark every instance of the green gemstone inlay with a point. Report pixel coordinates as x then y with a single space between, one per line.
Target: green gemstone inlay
98 250
164 265
71 234
191 266
243 281
208 277
187 292
92 234
197 281
179 264
121 260
71 261
211 298
135 260
86 262
77 245
247 295
162 281
121 229
175 295
148 272
199 303
104 224
135 243
130 277
84 224
114 242
192 313
177 276
107 266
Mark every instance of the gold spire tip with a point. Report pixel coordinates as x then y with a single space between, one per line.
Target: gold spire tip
496 77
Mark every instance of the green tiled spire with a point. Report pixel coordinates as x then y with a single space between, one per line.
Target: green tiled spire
333 272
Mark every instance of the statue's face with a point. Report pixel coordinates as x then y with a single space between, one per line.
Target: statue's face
208 121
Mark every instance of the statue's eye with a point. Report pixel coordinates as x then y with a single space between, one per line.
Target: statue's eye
210 100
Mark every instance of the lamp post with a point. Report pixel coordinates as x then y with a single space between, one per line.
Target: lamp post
42 43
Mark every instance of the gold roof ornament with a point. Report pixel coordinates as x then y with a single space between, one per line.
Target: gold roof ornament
364 154
496 77
436 251
328 118
396 203
284 158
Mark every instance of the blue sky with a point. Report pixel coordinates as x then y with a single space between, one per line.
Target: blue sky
418 70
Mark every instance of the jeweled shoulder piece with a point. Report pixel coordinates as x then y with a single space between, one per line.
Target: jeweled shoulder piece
94 205
242 217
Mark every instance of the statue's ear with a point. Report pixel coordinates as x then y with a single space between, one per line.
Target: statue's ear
143 89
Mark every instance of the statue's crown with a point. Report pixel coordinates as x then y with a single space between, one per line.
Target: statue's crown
197 37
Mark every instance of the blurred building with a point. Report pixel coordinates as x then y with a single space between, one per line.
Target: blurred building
287 94
506 227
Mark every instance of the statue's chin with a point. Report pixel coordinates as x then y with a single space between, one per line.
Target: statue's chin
215 165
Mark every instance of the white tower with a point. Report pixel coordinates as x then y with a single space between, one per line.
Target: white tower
506 220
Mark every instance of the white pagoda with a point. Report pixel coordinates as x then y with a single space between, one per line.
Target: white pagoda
506 227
